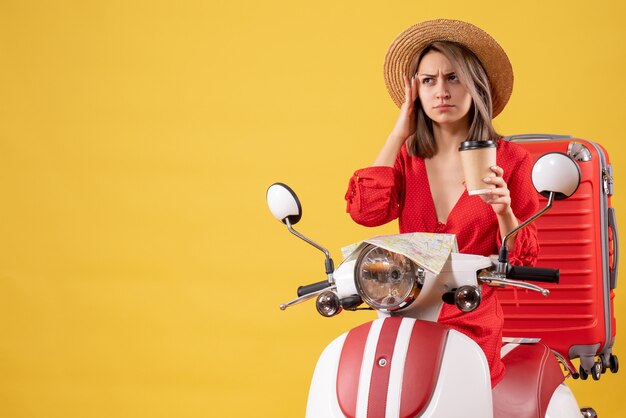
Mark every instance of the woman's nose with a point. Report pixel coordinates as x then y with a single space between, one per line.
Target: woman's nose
442 91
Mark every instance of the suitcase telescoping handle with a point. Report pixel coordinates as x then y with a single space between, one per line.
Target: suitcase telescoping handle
546 137
533 274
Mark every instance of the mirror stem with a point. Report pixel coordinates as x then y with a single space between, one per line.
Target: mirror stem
330 266
503 257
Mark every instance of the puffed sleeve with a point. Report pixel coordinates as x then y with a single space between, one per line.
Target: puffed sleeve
374 195
525 203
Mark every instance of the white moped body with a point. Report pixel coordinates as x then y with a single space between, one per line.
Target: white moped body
402 366
461 386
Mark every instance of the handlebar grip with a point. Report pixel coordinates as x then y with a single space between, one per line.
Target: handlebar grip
312 288
533 274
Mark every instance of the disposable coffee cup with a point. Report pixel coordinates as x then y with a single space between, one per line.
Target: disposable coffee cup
477 158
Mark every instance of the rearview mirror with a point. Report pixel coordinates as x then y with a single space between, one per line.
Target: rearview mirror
556 172
284 203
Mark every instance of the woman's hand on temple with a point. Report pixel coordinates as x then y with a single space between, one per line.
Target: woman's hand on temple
405 125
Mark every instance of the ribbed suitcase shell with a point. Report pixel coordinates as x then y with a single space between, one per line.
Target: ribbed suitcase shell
578 236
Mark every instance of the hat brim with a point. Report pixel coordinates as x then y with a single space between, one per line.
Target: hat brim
408 45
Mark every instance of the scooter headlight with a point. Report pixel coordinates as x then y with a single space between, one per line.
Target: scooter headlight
386 280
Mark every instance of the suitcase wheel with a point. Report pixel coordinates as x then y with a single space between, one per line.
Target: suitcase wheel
613 363
583 374
596 370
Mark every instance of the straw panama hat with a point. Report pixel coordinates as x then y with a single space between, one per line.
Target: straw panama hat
408 45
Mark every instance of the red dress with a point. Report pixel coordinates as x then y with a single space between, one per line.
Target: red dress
377 195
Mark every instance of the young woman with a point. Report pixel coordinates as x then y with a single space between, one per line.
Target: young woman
450 79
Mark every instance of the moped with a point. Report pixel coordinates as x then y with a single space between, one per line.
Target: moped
405 364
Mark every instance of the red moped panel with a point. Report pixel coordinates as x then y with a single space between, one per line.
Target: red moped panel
532 376
420 370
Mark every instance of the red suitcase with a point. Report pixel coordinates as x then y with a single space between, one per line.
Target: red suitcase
578 236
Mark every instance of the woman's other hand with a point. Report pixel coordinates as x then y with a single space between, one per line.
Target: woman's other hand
500 197
500 201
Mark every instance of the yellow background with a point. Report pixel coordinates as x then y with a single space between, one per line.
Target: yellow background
140 271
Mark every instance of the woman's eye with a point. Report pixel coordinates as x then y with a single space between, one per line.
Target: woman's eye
427 80
453 77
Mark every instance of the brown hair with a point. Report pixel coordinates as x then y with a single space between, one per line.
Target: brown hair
474 78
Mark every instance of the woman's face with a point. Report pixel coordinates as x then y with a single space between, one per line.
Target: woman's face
444 99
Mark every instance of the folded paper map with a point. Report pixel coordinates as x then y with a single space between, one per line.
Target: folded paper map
426 249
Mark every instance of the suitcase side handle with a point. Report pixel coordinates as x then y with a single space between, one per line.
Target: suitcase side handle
613 234
545 137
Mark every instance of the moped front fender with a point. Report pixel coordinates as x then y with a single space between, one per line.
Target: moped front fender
401 367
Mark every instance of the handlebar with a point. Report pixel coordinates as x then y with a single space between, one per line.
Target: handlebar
312 288
533 274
